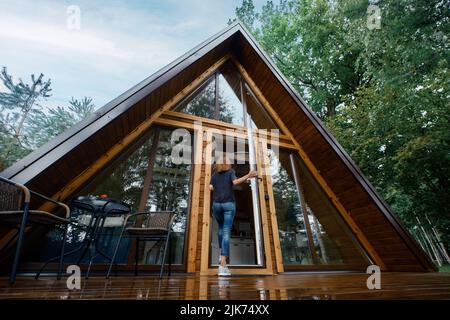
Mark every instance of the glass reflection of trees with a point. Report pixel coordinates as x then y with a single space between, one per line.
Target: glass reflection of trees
331 240
203 104
169 190
124 180
220 97
229 99
292 232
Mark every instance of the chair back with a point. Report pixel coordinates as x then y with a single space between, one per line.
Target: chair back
10 197
158 220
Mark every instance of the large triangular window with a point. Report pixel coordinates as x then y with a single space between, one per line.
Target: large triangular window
220 98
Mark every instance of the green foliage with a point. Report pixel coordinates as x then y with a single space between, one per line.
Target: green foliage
305 38
46 125
203 104
445 268
24 124
383 93
16 106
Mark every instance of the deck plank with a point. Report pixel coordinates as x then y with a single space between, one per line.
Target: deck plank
318 286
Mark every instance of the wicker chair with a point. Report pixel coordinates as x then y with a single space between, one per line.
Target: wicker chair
147 226
15 211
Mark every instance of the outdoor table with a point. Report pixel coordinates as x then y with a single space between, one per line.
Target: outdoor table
100 209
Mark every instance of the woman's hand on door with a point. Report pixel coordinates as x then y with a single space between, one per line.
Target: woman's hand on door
252 174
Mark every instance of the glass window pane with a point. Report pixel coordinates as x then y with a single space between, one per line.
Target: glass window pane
292 231
202 103
169 190
231 109
228 107
333 241
333 244
259 116
124 180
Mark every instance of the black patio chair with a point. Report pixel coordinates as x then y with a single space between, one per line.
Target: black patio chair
15 211
147 226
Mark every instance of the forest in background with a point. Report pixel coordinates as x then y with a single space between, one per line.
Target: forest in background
381 86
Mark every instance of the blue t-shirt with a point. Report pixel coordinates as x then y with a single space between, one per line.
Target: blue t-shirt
222 183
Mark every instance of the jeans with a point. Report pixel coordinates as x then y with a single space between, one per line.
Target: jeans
224 214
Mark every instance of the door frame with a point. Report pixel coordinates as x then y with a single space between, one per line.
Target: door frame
205 268
199 126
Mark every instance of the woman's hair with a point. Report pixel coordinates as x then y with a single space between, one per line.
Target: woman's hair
223 163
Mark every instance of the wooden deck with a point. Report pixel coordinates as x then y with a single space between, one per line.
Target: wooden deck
316 286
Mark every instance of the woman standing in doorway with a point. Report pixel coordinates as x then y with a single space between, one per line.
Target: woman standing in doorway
224 206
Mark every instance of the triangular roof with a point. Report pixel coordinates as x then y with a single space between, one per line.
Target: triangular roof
52 166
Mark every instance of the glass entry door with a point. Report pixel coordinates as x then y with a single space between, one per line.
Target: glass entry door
246 248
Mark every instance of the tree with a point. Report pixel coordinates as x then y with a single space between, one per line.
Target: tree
307 41
44 126
26 125
16 107
203 104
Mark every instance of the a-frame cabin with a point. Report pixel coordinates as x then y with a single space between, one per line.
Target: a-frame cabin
312 209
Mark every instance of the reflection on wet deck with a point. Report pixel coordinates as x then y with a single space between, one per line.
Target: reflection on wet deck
323 286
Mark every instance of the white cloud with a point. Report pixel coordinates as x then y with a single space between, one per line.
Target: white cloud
60 39
119 43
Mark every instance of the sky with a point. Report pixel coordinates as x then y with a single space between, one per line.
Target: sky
111 47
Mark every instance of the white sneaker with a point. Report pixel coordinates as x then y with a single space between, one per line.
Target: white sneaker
227 271
224 271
